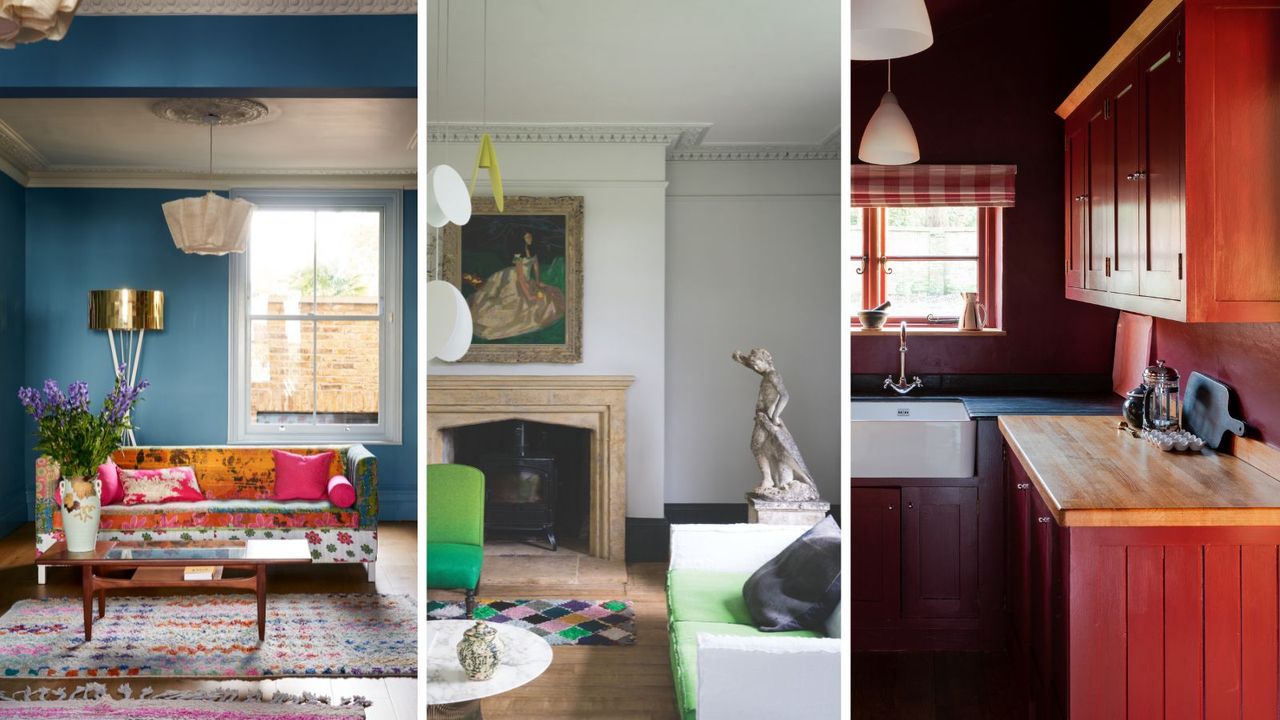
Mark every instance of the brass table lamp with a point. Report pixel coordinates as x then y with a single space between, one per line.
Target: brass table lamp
130 313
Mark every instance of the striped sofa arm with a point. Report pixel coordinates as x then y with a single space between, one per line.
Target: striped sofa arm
363 469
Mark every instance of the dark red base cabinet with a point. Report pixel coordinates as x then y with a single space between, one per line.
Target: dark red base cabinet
1134 623
927 558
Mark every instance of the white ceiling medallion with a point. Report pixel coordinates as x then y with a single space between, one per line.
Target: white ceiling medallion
25 21
887 29
248 7
197 111
212 224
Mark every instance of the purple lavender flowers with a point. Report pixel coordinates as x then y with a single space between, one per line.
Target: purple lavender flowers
68 433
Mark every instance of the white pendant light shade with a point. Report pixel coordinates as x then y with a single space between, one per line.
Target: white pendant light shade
447 198
448 322
209 225
889 138
28 21
887 29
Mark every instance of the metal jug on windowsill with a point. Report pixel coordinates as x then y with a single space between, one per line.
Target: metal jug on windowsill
974 315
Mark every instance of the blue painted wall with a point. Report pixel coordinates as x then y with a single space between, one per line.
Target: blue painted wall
82 239
348 55
13 428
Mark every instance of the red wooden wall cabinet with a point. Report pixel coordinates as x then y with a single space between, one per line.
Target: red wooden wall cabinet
1144 622
1172 166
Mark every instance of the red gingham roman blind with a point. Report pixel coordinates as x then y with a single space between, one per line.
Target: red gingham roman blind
933 185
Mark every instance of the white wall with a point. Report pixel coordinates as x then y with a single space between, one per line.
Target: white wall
753 260
623 186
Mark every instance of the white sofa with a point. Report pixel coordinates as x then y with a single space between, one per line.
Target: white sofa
724 668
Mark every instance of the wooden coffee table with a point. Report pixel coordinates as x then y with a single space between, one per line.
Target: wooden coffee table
161 564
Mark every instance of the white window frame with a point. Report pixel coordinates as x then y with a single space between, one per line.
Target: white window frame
240 431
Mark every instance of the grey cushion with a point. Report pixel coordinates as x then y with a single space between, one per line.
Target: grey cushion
800 587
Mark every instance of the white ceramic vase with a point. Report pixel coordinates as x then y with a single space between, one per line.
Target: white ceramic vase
81 513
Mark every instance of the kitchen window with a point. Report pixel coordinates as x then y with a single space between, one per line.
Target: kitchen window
315 339
926 233
921 258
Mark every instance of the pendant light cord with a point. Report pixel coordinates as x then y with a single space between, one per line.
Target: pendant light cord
889 75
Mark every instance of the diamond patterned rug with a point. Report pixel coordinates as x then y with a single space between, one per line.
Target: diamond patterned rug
559 622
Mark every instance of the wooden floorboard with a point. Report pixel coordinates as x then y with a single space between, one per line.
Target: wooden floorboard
602 683
393 698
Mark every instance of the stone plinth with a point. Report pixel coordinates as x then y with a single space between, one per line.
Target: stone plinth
786 512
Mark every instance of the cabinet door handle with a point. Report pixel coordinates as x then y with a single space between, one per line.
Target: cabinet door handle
1108 267
1043 519
911 506
890 507
1023 486
1135 175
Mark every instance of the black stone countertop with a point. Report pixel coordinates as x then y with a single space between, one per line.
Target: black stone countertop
993 405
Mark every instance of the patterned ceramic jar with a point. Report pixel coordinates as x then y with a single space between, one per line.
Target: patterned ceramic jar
480 651
81 512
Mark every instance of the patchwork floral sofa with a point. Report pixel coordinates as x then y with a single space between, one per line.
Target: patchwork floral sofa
237 483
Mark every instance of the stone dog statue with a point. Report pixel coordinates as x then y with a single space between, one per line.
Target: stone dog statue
784 475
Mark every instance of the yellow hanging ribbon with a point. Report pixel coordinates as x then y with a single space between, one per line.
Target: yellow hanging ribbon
488 160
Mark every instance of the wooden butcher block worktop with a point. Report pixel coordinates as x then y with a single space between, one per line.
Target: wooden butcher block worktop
1092 475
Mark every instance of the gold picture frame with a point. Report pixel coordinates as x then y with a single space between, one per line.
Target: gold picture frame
521 272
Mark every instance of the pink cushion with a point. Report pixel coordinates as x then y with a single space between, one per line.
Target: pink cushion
301 477
341 493
112 490
161 485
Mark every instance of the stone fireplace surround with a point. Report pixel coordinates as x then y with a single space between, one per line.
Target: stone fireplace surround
597 403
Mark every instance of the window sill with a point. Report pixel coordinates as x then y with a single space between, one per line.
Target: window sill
928 330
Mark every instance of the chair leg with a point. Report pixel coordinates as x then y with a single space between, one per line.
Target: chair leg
371 568
471 603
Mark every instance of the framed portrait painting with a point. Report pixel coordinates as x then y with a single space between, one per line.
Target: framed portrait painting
521 273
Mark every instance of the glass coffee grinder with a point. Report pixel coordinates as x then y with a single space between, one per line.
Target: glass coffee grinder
1163 411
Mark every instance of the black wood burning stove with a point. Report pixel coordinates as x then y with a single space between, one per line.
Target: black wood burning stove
520 488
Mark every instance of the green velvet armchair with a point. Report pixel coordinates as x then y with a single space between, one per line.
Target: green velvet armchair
455 529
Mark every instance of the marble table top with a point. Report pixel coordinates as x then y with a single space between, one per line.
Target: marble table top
527 656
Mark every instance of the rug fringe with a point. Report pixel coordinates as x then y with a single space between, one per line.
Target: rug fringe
97 691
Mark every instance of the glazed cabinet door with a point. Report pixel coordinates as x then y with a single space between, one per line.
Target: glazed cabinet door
1077 207
1161 174
1101 193
1130 203
940 552
875 537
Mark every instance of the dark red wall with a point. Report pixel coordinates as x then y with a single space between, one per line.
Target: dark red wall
985 93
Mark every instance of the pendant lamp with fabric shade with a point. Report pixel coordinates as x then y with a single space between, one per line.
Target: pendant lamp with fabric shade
28 21
889 138
210 224
887 29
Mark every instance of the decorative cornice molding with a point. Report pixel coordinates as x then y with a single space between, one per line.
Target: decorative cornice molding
18 152
683 142
248 7
755 152
609 133
201 172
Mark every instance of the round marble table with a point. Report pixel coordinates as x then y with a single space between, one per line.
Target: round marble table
450 694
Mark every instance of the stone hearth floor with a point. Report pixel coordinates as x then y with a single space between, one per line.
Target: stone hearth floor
520 570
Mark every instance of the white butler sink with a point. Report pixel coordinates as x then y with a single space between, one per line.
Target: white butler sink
911 439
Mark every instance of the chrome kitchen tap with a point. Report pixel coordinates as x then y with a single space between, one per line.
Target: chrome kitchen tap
902 387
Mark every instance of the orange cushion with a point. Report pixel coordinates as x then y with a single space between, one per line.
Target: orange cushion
224 473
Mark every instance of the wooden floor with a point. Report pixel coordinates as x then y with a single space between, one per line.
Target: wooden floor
603 683
393 698
936 686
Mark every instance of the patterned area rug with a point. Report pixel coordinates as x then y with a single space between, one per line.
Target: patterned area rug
93 701
351 635
560 622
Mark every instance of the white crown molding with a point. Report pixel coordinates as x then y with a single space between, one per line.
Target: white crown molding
683 141
15 150
248 7
599 133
